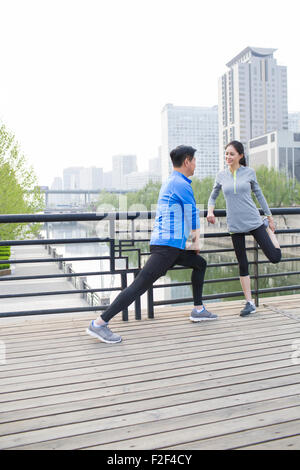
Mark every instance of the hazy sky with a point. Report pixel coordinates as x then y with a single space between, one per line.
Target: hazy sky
82 80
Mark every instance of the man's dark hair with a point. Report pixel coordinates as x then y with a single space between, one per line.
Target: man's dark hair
180 153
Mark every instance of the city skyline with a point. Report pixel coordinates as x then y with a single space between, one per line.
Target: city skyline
87 80
122 168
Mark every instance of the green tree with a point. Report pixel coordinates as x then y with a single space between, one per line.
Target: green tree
278 189
146 196
19 193
202 190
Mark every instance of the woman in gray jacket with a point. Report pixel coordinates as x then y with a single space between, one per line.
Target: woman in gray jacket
237 182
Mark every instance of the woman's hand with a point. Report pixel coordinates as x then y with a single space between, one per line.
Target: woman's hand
271 224
211 217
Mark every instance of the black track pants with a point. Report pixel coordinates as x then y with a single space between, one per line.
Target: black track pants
162 258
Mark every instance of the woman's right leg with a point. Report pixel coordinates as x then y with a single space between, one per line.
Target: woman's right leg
239 245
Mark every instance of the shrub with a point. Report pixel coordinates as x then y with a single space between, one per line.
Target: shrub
4 255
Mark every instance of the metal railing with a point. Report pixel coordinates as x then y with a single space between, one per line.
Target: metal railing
118 249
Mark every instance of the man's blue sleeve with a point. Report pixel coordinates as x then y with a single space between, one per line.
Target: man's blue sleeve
189 206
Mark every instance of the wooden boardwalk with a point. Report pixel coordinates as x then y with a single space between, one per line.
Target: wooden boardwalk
229 384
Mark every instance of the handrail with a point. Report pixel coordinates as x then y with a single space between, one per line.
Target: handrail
117 250
118 215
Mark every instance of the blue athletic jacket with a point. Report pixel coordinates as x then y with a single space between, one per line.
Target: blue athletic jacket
176 213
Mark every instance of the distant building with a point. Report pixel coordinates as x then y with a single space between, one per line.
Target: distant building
252 97
279 150
107 180
122 165
294 122
81 178
71 180
91 178
155 166
195 126
71 177
137 180
56 199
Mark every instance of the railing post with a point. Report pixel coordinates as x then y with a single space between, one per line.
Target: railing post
137 306
124 285
82 283
112 244
256 279
150 303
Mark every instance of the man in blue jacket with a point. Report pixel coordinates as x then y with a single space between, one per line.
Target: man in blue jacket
176 217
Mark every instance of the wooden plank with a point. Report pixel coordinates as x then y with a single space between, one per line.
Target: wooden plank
191 399
144 366
287 443
115 418
148 428
100 388
163 387
168 347
246 438
148 373
42 330
181 333
233 425
225 306
64 361
178 356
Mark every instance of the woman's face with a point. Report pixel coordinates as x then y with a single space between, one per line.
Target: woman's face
232 157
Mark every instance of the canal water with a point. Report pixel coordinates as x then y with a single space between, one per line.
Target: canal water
89 229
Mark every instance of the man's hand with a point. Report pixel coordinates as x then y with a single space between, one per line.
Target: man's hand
195 243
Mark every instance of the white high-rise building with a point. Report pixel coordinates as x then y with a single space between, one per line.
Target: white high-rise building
122 165
56 199
294 122
194 126
71 180
91 178
252 97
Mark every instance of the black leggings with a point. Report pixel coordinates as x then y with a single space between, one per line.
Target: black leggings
261 236
162 258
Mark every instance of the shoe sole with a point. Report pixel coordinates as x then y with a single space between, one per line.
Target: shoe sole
197 320
247 314
94 335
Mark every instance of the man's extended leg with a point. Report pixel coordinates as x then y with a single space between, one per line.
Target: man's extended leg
161 259
198 264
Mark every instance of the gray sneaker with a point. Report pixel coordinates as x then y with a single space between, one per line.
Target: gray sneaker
202 316
103 333
249 308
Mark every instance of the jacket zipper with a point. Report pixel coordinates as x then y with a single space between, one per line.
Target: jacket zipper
234 182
